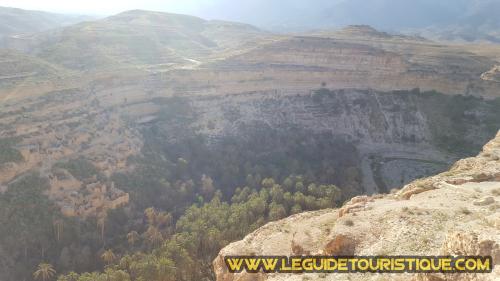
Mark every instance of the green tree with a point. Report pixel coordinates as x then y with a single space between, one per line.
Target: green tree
112 274
288 183
268 182
133 237
150 214
44 272
72 276
276 211
108 257
165 269
58 228
296 209
207 186
154 236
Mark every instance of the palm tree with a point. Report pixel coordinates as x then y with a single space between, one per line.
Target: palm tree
44 272
133 237
126 262
101 223
154 236
58 228
150 214
72 276
165 269
108 256
116 275
163 219
93 276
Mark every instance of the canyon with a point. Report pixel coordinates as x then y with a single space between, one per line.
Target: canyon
369 111
360 86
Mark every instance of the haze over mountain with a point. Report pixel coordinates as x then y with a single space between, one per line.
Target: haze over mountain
446 19
17 21
135 38
462 20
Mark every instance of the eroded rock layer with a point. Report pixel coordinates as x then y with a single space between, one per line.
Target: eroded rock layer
357 89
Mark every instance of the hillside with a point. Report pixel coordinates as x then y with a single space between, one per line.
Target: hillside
354 57
452 213
137 39
16 67
18 22
458 20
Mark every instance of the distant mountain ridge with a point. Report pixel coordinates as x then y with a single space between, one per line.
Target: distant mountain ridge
457 20
15 21
136 38
464 20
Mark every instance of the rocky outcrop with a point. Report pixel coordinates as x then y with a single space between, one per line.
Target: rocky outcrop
483 168
394 133
355 204
398 134
360 60
340 245
492 74
430 216
464 244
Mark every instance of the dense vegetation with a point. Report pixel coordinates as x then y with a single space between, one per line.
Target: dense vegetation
185 251
257 152
165 183
185 204
151 245
26 218
33 230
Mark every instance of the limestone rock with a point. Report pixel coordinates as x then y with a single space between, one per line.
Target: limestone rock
461 244
355 204
485 201
340 245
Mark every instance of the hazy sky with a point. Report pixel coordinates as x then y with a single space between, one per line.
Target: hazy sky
388 15
107 7
257 12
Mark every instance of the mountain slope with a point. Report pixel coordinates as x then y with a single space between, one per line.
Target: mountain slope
446 19
15 65
14 22
138 38
453 213
354 57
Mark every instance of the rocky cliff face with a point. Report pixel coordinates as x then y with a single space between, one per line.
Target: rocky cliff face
452 213
339 85
395 134
351 58
390 138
